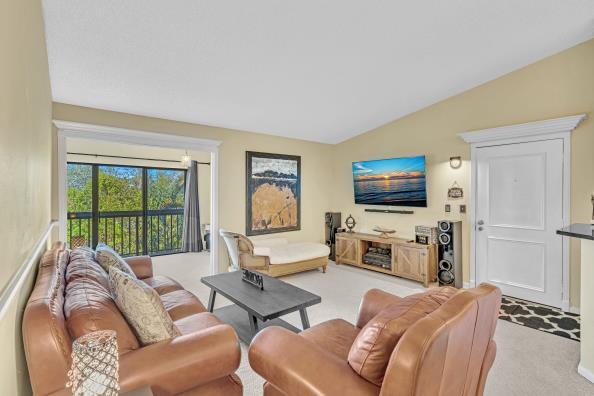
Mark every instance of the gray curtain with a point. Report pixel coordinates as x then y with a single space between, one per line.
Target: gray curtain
192 240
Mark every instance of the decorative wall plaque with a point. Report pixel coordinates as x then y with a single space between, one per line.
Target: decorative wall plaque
455 191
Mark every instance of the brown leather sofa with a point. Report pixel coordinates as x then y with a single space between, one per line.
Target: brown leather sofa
70 298
446 352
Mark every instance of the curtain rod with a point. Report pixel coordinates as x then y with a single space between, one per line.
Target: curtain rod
132 158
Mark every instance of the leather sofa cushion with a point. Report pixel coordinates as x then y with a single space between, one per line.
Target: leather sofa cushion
82 265
197 322
438 294
162 284
371 350
181 303
335 336
142 308
88 307
83 252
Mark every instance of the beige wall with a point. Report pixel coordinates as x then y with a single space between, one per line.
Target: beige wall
315 166
25 119
154 153
557 86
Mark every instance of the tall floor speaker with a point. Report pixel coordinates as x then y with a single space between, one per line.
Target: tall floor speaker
449 239
332 224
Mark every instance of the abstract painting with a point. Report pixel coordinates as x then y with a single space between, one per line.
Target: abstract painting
273 189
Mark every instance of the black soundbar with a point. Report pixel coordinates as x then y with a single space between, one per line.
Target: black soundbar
390 211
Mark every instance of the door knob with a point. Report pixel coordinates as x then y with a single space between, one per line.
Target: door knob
480 222
480 228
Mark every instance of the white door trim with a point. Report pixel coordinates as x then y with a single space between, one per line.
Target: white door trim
557 128
68 129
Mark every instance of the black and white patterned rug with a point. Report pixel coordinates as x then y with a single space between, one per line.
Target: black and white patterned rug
540 317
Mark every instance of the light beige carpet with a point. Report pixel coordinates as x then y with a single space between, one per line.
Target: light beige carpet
529 362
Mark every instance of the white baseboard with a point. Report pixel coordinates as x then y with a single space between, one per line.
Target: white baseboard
584 372
468 285
574 310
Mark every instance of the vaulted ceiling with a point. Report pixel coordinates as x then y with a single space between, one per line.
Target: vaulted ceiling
316 70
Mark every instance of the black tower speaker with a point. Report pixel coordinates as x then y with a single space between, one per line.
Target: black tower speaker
449 240
332 224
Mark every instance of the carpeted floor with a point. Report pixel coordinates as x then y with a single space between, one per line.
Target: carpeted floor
528 361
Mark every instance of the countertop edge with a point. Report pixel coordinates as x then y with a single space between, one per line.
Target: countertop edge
578 230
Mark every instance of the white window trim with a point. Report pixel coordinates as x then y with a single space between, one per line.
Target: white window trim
68 129
557 128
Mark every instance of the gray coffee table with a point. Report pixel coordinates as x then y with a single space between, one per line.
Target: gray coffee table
254 309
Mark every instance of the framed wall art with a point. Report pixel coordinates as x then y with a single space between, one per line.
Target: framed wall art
273 193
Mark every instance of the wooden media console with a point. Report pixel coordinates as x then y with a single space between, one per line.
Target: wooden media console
407 259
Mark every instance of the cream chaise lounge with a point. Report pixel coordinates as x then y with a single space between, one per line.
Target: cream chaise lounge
275 256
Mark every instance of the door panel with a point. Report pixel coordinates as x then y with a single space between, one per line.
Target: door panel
519 208
521 180
516 263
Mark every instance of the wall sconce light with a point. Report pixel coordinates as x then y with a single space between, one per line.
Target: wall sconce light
455 162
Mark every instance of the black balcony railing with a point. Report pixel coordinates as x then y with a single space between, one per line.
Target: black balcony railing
130 233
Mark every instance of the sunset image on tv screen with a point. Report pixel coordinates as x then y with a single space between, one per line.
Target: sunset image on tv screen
396 181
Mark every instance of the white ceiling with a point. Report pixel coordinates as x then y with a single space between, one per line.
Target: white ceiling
315 70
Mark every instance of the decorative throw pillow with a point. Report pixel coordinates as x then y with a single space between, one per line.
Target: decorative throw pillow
370 353
141 306
107 258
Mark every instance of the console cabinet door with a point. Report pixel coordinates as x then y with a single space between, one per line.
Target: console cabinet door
411 262
347 250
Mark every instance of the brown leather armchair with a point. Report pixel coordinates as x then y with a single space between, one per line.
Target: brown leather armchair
70 299
448 351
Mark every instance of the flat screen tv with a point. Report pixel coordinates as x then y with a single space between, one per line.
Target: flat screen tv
394 181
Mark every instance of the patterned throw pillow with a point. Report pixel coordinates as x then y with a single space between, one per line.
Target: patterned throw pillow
141 306
107 258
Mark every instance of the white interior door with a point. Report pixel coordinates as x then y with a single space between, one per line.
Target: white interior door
519 208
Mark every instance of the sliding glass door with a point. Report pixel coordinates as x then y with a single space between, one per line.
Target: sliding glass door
80 204
135 210
165 209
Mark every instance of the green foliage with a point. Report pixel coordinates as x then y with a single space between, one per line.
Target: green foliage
79 188
165 189
120 189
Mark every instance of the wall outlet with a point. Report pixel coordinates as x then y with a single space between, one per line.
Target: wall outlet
462 208
448 208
